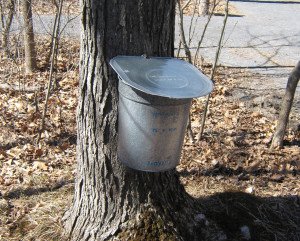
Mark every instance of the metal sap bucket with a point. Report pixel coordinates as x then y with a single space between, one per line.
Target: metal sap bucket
155 95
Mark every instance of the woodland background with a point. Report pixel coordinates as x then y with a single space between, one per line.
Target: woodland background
37 162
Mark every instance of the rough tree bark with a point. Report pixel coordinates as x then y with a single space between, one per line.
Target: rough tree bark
111 200
286 106
29 44
7 13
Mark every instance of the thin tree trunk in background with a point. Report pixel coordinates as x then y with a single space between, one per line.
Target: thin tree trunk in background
189 56
182 34
286 106
178 50
29 44
57 15
193 23
6 21
203 119
54 51
204 31
203 7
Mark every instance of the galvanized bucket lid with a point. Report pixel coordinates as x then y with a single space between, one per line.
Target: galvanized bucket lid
161 76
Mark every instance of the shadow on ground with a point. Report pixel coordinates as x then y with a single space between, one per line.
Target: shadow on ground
246 217
229 15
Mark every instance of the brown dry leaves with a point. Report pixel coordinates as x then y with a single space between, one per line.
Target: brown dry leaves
193 7
26 168
70 7
234 153
23 164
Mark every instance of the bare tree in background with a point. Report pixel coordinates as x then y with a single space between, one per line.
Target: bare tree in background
188 55
203 119
286 106
53 62
7 9
29 44
203 7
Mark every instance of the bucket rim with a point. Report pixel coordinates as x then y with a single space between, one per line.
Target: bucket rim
189 81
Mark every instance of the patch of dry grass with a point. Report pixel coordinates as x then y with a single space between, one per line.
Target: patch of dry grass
272 218
36 217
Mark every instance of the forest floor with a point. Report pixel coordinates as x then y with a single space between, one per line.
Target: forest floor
249 190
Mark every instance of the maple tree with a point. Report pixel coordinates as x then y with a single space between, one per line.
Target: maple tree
108 196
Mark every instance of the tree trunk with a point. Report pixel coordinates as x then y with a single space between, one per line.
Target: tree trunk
112 200
29 44
203 7
286 106
7 13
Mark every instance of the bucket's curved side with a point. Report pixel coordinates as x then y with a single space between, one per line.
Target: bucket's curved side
151 130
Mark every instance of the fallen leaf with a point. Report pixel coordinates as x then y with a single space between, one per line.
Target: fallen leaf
249 189
277 178
40 165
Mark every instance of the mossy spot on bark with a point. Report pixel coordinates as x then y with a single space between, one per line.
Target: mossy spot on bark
149 226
